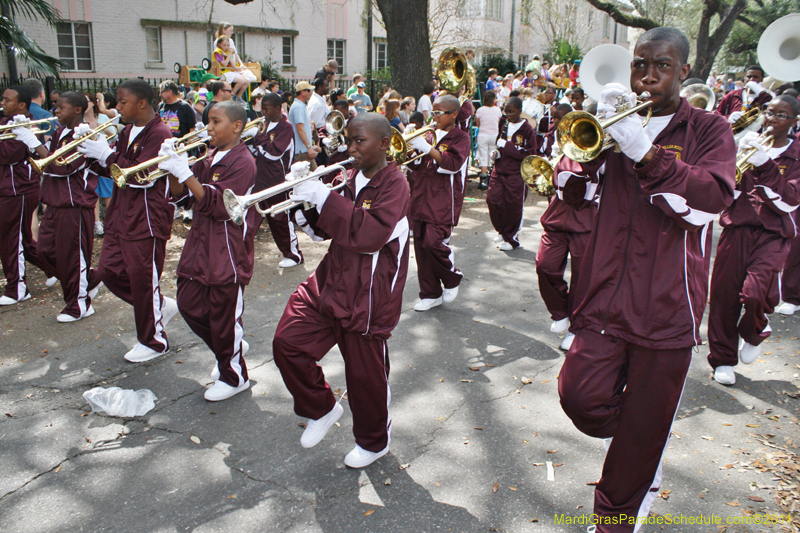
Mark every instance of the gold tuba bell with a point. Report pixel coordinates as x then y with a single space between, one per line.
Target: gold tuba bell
453 69
537 173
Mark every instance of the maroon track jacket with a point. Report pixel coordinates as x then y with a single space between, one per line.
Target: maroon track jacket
140 211
464 116
644 276
70 185
768 195
16 175
273 150
218 251
439 189
360 281
733 102
523 143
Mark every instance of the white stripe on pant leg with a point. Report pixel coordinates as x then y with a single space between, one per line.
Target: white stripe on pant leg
22 289
451 256
388 400
650 497
157 316
238 334
293 240
83 280
521 214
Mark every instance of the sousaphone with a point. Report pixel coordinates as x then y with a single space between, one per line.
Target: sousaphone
604 64
779 48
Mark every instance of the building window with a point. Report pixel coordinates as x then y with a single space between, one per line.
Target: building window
381 56
75 45
607 27
494 9
468 8
523 61
288 51
622 34
336 50
153 39
238 41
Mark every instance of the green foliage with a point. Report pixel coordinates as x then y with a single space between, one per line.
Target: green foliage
503 65
563 51
37 62
268 67
382 75
740 48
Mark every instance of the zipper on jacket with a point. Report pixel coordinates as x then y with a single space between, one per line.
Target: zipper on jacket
625 258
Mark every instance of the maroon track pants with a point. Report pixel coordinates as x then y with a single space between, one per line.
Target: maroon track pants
16 241
790 279
303 337
435 259
746 269
505 198
612 388
551 263
66 239
214 313
283 233
131 270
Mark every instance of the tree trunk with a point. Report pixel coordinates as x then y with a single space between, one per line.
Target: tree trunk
409 51
708 46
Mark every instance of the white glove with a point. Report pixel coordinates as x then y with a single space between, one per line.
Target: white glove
754 87
26 135
250 132
736 115
630 137
96 148
326 142
411 128
81 130
199 126
608 98
20 118
501 143
313 192
299 169
420 144
177 164
342 148
759 157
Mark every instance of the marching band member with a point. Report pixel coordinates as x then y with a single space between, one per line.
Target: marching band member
516 140
436 200
341 151
644 274
66 232
465 113
138 222
368 227
754 244
211 283
274 150
752 95
19 197
566 233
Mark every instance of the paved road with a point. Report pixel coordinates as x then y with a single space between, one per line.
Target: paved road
474 407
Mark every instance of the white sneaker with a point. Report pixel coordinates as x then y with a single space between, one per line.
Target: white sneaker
177 213
498 238
222 391
52 280
187 214
748 353
316 429
168 310
505 247
359 457
449 295
63 317
724 375
215 372
141 353
567 342
99 230
93 292
787 309
288 263
428 303
5 300
559 326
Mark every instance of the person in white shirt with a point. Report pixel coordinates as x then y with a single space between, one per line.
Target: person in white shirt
425 105
487 118
318 109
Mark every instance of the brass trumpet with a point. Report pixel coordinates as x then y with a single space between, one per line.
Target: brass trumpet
742 166
237 206
58 158
537 173
260 123
191 137
399 152
33 125
750 116
582 137
334 125
122 175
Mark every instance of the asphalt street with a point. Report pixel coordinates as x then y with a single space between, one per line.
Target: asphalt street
477 423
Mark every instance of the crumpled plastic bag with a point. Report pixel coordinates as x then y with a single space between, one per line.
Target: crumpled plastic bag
120 402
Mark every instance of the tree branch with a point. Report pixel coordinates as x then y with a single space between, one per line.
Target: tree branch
623 18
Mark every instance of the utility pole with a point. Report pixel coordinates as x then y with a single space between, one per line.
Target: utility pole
513 19
369 35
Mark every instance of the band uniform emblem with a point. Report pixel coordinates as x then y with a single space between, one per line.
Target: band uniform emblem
215 177
675 149
442 147
271 137
518 140
366 204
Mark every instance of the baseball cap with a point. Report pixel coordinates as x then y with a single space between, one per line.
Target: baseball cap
303 86
361 84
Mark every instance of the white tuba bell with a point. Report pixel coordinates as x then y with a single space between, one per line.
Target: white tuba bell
779 48
607 63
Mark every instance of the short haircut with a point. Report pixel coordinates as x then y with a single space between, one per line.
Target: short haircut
514 102
578 90
254 97
75 99
751 67
375 123
139 88
357 76
448 102
564 108
34 87
515 92
319 82
233 111
341 106
489 98
23 96
673 36
272 84
264 76
169 86
794 105
272 99
492 71
527 91
55 91
417 116
216 87
692 81
428 88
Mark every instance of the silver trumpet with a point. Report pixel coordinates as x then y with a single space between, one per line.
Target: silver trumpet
237 206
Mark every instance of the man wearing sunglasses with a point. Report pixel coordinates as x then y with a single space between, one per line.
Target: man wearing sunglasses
754 244
222 93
